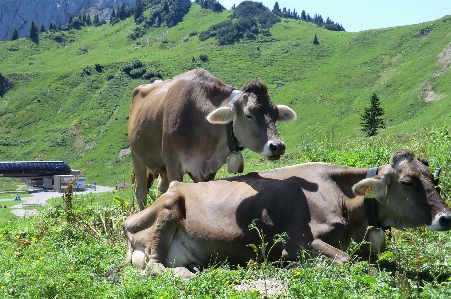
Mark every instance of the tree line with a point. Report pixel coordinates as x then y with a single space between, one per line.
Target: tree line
247 20
317 18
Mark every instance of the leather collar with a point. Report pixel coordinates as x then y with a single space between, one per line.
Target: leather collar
231 139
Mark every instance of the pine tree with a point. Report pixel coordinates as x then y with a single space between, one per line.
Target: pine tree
371 118
276 10
303 15
139 10
34 32
42 28
96 19
315 40
15 34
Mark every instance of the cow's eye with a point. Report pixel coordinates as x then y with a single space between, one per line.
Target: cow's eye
407 184
247 115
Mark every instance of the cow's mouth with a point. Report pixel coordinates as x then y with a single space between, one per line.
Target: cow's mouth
273 158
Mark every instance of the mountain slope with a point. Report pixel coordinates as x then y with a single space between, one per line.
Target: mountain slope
70 94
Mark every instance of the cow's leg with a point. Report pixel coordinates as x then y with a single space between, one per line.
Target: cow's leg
173 173
336 255
141 182
163 182
171 208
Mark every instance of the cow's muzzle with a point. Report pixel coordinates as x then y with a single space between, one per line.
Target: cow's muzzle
441 222
276 149
445 221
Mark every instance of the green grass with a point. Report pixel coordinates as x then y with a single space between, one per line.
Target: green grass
57 111
56 254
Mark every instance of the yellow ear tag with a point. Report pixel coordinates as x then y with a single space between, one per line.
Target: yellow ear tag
369 193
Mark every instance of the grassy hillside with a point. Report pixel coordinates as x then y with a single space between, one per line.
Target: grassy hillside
70 98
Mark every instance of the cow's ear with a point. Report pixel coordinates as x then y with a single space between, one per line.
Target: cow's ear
222 115
286 114
376 184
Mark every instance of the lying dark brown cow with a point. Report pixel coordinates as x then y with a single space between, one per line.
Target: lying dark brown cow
319 206
178 126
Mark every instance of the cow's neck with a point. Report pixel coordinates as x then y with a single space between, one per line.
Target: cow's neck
365 219
363 213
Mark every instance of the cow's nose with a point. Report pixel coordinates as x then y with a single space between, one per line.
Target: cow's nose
445 221
277 148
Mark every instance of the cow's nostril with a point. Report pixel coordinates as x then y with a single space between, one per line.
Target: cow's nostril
445 221
277 148
273 147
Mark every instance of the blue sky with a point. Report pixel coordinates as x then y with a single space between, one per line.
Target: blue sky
361 15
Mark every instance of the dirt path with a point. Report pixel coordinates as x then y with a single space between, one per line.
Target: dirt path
40 198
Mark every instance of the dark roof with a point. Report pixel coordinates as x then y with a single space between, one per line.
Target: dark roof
33 168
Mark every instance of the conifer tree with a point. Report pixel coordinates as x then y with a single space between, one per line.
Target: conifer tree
276 10
96 19
371 117
34 32
303 15
15 34
315 40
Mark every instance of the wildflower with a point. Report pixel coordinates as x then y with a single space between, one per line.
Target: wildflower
41 277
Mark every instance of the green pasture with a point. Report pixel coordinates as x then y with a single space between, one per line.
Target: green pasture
62 254
69 101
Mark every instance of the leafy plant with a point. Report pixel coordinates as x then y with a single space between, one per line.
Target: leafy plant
261 251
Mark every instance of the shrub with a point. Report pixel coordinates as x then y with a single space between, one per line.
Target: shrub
203 57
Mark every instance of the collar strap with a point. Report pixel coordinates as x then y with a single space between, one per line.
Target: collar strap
231 139
368 202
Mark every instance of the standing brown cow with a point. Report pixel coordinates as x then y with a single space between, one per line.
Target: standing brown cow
178 126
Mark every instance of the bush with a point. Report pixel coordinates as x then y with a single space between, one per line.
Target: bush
136 73
203 57
152 75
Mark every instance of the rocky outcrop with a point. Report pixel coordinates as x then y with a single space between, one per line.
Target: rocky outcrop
20 14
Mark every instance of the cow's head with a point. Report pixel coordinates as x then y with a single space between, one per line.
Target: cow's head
254 115
406 195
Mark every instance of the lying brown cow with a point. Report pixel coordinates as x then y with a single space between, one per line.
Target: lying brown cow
173 127
320 206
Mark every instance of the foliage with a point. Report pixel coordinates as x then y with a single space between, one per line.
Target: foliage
15 34
56 111
372 117
246 21
261 251
214 5
315 40
34 32
51 255
5 84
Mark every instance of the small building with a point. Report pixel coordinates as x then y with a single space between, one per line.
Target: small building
60 182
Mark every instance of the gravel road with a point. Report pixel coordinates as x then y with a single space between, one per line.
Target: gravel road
40 198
